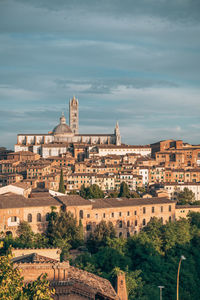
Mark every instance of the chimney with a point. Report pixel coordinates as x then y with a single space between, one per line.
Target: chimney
121 286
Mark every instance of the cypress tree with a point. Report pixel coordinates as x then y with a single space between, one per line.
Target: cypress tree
61 183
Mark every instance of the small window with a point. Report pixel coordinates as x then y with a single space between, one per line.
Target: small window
128 213
120 234
47 217
112 215
144 222
128 234
88 227
135 212
96 216
39 218
161 208
13 219
29 218
170 219
120 214
161 220
153 209
81 214
88 215
128 223
120 224
144 210
104 215
170 208
135 222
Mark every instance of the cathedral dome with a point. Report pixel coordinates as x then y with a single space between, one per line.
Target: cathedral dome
62 128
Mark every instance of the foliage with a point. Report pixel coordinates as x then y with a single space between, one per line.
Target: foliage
63 231
185 197
91 192
124 190
61 183
12 286
100 236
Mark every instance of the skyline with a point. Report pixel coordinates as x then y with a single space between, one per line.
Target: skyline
136 63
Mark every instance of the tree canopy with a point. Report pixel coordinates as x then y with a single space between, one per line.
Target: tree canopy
185 197
91 192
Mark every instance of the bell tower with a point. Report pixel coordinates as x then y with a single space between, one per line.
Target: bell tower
117 135
73 115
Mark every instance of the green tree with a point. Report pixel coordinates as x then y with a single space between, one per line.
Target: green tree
61 183
194 218
185 197
91 192
63 229
124 190
25 235
100 236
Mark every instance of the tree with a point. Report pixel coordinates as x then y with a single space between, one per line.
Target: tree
124 190
63 229
185 197
61 183
100 236
92 192
25 234
12 286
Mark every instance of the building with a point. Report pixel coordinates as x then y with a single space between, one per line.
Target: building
59 139
70 283
174 188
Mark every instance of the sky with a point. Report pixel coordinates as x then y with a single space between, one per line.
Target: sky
132 61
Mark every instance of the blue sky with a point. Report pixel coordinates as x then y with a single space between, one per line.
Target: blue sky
137 62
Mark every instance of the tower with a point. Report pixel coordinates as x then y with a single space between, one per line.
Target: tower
73 115
117 135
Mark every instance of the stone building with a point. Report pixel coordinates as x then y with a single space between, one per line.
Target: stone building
70 283
59 139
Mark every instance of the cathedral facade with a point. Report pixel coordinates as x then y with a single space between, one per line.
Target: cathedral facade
57 141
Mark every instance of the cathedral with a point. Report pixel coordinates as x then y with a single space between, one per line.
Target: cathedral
57 141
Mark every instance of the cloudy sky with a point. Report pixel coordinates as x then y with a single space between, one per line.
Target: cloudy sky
135 61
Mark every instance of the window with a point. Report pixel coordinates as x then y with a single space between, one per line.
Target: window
29 218
161 209
120 234
88 215
153 209
88 227
144 210
96 216
144 222
112 215
128 234
13 219
47 216
81 214
128 223
170 208
128 213
120 224
120 214
170 218
104 215
135 222
39 218
135 212
161 220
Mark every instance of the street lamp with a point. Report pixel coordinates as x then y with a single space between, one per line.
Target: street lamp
179 266
161 287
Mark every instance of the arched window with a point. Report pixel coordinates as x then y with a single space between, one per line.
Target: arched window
128 223
39 218
120 224
144 222
81 214
47 217
29 218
